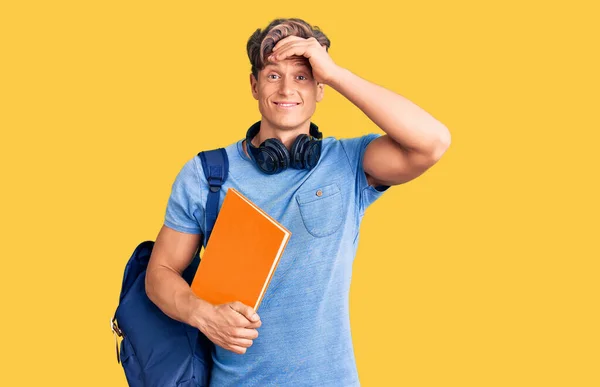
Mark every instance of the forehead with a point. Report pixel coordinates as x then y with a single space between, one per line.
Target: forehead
294 62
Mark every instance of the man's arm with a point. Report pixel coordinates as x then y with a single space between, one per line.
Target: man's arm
172 253
414 140
231 326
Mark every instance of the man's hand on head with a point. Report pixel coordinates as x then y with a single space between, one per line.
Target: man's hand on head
323 67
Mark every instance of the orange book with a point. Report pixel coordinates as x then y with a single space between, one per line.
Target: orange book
241 255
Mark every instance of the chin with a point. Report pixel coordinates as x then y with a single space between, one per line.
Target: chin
288 122
291 125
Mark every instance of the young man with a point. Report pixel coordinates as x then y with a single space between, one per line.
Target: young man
320 196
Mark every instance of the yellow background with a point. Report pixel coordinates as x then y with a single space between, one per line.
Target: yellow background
481 272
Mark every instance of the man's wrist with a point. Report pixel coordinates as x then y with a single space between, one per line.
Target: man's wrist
337 78
199 311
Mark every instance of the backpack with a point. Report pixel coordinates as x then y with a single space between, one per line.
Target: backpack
156 350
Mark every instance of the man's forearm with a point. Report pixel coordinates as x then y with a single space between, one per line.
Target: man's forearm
169 291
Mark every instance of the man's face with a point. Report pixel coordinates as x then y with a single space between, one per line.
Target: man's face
290 81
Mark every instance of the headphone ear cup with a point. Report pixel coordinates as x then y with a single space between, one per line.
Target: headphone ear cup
281 152
312 154
267 160
297 151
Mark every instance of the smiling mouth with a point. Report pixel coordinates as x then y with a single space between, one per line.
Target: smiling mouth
284 105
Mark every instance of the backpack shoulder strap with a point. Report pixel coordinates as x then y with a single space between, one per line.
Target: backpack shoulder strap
216 169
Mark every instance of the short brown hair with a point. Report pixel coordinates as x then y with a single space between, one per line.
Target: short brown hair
261 43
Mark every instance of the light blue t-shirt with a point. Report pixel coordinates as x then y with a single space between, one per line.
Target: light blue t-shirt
305 337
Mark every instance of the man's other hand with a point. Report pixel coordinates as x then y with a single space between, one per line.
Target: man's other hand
232 326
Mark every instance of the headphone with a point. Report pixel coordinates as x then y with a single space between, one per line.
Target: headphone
273 157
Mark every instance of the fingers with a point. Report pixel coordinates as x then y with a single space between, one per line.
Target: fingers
233 328
290 41
256 324
290 46
285 40
245 311
299 49
246 343
245 333
237 349
243 340
290 49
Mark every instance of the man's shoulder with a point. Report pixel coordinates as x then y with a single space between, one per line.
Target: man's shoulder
226 146
230 148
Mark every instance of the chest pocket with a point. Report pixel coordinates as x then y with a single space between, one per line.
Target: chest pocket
322 209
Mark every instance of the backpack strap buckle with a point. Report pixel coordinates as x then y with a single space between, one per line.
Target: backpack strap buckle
216 168
215 178
114 327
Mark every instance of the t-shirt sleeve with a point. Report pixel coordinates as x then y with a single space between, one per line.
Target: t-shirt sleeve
355 150
185 212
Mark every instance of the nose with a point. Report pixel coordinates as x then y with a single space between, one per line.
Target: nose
286 86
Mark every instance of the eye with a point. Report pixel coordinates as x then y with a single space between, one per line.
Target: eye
302 77
272 75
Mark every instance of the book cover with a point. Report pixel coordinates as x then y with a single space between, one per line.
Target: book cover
242 253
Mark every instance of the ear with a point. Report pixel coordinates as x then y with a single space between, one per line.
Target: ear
254 86
320 91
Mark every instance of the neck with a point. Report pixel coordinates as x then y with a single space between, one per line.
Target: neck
286 135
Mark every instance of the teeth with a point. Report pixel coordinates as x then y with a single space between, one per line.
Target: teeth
287 104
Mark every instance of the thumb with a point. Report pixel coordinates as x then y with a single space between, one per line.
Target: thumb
245 310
